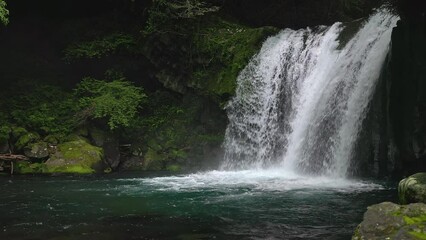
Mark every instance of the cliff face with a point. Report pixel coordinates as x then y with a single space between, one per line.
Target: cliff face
407 95
397 120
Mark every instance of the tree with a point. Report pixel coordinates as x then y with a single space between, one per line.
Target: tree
4 13
116 101
164 13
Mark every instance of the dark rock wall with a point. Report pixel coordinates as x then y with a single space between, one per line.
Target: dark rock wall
396 126
407 93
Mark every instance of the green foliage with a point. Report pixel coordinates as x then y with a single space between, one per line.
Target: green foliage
173 131
100 47
164 13
46 109
26 139
116 101
223 50
5 131
4 13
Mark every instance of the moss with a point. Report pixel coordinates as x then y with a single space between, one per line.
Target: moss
174 168
52 139
75 169
74 137
414 220
25 167
37 150
224 49
153 160
26 139
75 157
418 235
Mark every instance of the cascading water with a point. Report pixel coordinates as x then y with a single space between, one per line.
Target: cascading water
301 101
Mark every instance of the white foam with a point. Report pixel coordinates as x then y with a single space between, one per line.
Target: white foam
254 180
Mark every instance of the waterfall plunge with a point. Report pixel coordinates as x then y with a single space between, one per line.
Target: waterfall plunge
301 101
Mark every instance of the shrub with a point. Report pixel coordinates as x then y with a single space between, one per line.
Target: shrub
4 13
100 47
46 109
116 101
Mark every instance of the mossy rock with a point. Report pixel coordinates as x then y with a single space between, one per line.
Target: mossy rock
52 139
174 168
37 150
76 157
18 132
412 189
391 221
25 167
153 160
74 137
26 139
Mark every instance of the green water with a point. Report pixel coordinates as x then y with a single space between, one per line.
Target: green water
214 205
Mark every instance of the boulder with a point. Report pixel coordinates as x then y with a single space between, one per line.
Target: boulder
25 140
132 163
37 150
412 189
109 143
392 221
76 157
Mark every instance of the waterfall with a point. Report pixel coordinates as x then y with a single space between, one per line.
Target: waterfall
301 101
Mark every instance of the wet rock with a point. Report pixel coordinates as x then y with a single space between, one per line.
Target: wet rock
37 150
391 221
76 157
109 143
412 189
133 163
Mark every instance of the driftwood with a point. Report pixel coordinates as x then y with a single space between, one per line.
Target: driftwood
12 157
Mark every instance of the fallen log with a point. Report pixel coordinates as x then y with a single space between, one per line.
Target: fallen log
10 159
13 157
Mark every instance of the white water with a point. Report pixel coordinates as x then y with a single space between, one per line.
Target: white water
251 180
300 103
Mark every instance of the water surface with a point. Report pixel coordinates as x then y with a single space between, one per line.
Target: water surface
210 205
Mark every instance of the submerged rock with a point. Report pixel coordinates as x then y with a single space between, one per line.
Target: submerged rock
76 157
392 221
412 189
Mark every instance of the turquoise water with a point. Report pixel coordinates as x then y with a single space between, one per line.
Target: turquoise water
211 205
